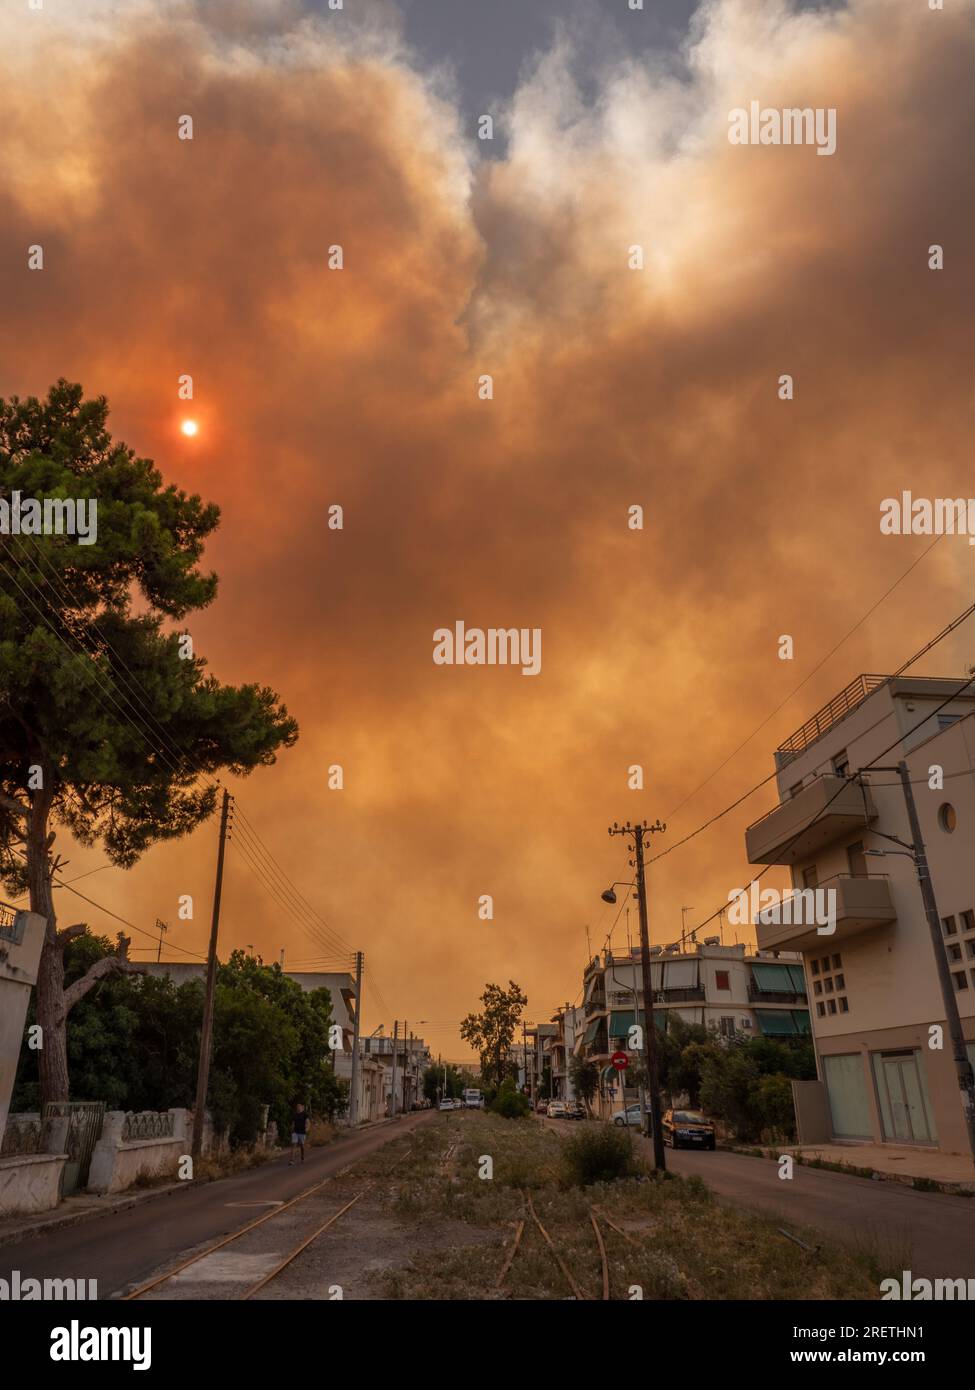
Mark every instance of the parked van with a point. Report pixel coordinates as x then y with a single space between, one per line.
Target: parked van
473 1100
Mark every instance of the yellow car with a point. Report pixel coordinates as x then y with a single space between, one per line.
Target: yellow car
687 1129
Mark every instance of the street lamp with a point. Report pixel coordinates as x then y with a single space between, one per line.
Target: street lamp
609 896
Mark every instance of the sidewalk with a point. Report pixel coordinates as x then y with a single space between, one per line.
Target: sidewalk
893 1163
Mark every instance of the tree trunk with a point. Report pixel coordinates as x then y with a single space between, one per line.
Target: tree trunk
52 1058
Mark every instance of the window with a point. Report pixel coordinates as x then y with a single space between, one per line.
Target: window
837 962
841 764
947 818
821 1010
948 926
721 979
856 860
846 1087
844 1005
828 985
968 920
817 986
810 877
954 951
727 1027
970 948
960 981
839 982
815 967
831 1005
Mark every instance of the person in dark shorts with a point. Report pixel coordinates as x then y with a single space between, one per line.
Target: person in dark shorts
299 1128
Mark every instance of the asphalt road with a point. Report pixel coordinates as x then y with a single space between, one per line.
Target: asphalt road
123 1248
931 1234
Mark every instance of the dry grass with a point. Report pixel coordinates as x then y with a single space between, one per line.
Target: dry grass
682 1243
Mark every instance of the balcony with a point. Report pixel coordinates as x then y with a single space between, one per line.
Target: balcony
806 823
861 903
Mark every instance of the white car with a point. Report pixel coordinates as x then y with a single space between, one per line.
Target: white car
446 1104
556 1110
629 1116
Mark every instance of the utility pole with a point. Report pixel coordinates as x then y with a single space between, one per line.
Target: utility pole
206 1031
963 1067
163 927
649 1029
392 1108
636 1015
354 1084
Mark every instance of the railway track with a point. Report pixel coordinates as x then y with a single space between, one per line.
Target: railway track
253 1288
594 1216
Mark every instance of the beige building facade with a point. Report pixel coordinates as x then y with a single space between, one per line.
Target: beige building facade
876 1005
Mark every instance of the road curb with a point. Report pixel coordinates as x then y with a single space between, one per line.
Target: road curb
913 1182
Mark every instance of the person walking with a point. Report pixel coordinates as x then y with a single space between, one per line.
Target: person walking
299 1130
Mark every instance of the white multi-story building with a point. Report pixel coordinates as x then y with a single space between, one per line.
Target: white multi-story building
885 1062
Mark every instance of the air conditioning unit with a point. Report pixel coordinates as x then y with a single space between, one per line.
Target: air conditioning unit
712 941
746 1023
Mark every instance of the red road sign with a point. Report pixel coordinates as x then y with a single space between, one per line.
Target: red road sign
620 1061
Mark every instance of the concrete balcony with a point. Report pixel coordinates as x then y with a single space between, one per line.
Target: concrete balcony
859 903
806 823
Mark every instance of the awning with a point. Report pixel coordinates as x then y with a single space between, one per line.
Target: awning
592 1030
801 1017
774 979
621 1021
776 1023
680 974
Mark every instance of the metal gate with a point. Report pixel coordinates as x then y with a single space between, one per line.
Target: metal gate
84 1129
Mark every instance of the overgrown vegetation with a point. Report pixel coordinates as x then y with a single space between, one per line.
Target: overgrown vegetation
671 1238
599 1153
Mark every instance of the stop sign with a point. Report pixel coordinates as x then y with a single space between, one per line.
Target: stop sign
620 1061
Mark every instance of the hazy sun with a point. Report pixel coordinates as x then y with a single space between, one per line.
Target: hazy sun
189 427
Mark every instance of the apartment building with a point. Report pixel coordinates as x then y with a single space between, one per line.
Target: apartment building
569 1028
405 1059
720 987
877 1011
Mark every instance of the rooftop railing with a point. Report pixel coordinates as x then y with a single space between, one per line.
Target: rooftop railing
838 708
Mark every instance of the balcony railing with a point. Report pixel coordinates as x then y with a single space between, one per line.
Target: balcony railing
776 996
838 708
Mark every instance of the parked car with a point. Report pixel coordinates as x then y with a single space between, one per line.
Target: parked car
574 1111
689 1129
541 1107
446 1104
629 1116
556 1110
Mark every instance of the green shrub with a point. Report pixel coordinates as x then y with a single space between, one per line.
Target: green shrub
509 1102
601 1153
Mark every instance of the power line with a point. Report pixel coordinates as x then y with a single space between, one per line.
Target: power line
945 631
818 667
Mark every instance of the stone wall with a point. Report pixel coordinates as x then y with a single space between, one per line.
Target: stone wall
139 1147
30 1183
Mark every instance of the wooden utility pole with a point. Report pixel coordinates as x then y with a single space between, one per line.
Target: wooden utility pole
392 1099
206 1031
354 1083
649 1028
